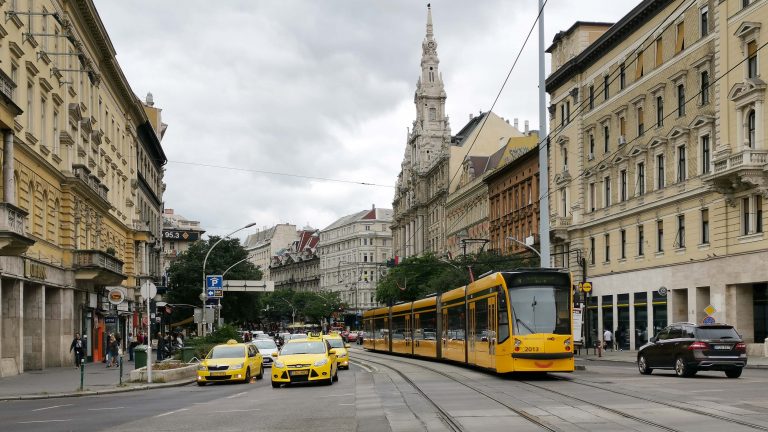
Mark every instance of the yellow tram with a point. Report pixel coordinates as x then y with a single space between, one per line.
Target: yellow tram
519 321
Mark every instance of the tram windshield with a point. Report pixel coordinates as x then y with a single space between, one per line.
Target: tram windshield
540 309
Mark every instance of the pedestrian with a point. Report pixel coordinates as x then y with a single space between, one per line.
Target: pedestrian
114 347
78 345
159 346
131 345
607 340
107 338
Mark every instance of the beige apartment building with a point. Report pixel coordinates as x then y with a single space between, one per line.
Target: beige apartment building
658 165
262 246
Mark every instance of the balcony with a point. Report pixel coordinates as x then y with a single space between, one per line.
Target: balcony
558 227
739 171
13 231
89 183
98 267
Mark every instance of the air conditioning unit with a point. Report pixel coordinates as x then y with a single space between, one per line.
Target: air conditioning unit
622 140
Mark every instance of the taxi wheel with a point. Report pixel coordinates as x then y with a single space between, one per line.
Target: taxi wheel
247 376
201 383
336 376
261 373
275 385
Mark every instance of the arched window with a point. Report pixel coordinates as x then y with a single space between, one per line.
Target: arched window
751 129
31 207
45 215
55 221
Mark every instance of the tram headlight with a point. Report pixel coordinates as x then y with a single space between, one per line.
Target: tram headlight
518 342
567 344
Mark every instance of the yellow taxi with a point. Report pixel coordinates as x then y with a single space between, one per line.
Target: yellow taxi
342 351
231 361
306 360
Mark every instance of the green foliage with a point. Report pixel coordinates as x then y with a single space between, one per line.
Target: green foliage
416 277
308 306
221 335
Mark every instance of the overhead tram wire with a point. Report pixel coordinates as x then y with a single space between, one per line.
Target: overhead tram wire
694 97
498 95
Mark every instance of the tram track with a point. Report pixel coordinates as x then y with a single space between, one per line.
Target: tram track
614 411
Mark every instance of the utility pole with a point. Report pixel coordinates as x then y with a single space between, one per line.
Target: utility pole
543 151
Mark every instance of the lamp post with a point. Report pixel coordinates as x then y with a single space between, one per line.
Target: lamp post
233 265
204 297
293 311
527 247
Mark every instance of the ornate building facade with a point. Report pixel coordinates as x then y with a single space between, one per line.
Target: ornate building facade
297 266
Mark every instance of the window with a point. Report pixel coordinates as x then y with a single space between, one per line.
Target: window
659 172
680 45
562 115
705 154
680 240
591 97
640 122
659 236
623 185
745 216
43 122
592 250
751 129
705 226
640 241
563 202
567 111
680 100
752 59
704 91
607 251
639 66
622 128
591 147
606 137
659 111
432 114
622 77
55 132
659 52
606 87
758 213
592 197
623 248
704 21
745 3
607 190
640 179
681 173
30 112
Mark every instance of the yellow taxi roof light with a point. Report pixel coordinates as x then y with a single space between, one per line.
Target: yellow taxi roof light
232 342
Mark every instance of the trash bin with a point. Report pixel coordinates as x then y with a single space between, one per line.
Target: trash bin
187 354
140 356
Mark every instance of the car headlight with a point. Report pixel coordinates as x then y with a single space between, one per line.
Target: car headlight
236 366
202 367
321 362
279 364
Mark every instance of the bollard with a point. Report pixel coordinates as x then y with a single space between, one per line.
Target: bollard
121 371
82 373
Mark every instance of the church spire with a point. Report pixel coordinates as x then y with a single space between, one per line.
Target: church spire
429 21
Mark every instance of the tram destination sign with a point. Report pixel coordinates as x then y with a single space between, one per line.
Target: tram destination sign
548 278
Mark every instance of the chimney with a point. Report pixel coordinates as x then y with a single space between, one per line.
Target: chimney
471 116
507 120
515 123
150 101
526 127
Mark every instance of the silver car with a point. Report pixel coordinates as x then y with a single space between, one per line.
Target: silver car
266 347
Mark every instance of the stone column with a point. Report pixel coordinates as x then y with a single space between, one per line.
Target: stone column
9 183
11 362
33 309
739 145
53 329
717 299
759 126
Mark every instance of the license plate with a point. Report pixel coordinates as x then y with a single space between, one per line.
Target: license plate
299 372
218 373
722 347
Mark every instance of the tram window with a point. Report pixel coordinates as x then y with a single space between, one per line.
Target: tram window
503 316
482 330
398 327
455 327
428 322
537 309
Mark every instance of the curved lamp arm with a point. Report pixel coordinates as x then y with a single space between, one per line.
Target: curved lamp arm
527 247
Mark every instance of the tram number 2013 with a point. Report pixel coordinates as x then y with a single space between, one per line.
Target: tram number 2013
530 349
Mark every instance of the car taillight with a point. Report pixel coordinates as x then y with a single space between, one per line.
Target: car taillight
567 344
698 346
741 347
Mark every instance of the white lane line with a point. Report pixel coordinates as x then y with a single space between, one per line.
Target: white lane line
171 412
236 395
43 421
238 410
346 404
102 409
340 395
51 407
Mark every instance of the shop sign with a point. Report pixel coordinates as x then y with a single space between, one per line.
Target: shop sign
110 320
34 270
116 296
181 235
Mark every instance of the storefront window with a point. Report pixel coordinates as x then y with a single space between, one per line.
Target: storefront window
659 312
622 324
592 321
607 306
641 319
761 311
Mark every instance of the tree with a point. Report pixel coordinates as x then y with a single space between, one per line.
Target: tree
185 278
281 305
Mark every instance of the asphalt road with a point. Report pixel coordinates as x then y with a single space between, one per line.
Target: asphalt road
607 396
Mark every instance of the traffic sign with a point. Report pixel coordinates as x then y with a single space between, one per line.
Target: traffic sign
214 281
148 290
586 286
214 293
710 310
708 320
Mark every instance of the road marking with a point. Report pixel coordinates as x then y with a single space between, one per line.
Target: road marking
51 407
102 409
340 395
238 410
236 395
171 412
44 421
346 404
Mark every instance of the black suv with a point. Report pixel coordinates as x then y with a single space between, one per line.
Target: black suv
688 348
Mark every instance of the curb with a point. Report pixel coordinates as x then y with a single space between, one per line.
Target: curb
97 393
748 366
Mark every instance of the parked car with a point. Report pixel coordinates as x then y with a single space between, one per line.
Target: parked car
266 347
688 348
351 337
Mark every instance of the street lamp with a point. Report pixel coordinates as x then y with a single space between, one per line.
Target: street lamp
293 311
541 260
233 265
204 297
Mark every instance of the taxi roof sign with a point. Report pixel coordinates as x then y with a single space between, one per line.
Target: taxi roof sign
586 286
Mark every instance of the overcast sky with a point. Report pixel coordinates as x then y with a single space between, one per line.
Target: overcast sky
316 90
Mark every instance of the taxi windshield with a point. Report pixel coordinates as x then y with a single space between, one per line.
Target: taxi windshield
222 352
308 347
265 344
336 343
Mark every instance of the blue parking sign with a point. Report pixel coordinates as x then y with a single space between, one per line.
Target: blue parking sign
708 320
214 282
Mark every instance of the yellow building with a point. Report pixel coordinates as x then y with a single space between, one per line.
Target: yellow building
73 137
658 166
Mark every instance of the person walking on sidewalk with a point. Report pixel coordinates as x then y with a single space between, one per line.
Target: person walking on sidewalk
78 345
608 340
113 347
131 345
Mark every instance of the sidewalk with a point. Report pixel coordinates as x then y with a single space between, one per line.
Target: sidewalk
65 382
753 362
